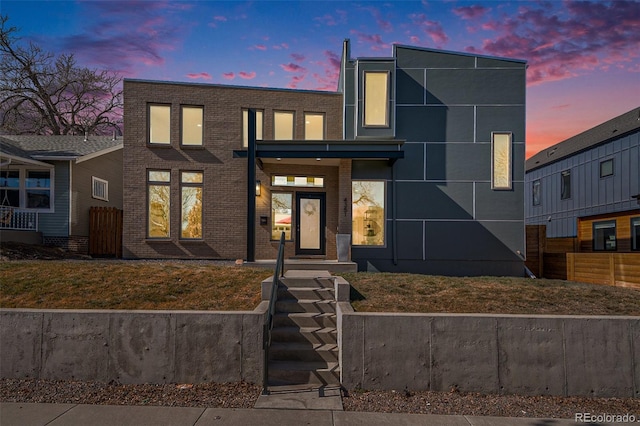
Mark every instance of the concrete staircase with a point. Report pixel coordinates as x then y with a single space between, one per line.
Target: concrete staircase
304 348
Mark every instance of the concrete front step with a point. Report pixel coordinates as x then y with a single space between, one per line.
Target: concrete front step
313 306
308 293
318 282
303 372
312 335
304 319
296 351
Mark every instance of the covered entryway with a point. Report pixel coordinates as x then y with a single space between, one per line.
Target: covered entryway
310 223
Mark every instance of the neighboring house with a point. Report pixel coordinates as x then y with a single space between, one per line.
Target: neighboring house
588 187
418 158
49 183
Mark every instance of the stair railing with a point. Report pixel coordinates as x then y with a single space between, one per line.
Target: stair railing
268 323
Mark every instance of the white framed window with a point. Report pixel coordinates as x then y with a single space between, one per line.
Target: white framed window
27 188
99 189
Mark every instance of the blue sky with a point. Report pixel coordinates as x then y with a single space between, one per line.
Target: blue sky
584 57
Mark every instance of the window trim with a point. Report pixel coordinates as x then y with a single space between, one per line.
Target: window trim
22 188
293 124
609 160
191 146
149 141
563 194
96 180
509 166
387 122
192 185
615 234
324 124
149 183
535 183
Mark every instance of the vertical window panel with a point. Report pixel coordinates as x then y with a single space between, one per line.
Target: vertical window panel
159 204
191 199
536 192
281 210
376 99
501 160
159 124
368 213
245 127
313 126
283 125
192 125
565 185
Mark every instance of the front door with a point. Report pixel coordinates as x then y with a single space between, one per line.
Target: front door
310 223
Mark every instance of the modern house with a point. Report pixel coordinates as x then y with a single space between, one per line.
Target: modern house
587 188
49 183
417 159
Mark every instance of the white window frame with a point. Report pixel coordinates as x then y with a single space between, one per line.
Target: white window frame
22 188
96 182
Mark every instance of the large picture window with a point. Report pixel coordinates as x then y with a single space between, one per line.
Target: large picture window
501 160
159 124
283 125
368 215
159 207
27 188
245 126
604 235
281 210
376 99
313 126
191 195
192 125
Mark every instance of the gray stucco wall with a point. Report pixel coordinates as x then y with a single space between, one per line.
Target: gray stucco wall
132 346
442 214
503 354
590 194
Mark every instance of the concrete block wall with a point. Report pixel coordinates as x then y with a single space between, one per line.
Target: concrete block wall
502 354
132 346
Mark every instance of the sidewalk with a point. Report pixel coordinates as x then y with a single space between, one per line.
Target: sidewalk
22 414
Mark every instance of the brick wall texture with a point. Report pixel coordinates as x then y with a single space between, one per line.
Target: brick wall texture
225 177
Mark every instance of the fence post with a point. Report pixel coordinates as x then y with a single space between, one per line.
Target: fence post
612 270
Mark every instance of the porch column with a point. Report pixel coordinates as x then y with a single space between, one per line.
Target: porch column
251 187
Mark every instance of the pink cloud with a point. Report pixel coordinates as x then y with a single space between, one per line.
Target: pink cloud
247 75
470 12
228 75
328 79
375 40
327 20
202 75
258 47
431 28
384 24
291 67
298 57
216 20
295 81
414 39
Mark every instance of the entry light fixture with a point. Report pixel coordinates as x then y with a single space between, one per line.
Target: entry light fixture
258 186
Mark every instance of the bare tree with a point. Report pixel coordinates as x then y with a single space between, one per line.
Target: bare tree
42 94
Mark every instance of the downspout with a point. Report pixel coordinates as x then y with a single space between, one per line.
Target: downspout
70 212
394 222
251 186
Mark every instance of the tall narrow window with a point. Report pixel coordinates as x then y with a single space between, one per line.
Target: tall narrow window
604 235
281 208
283 125
10 188
500 160
376 99
565 185
368 216
38 189
536 192
635 233
159 207
313 126
191 194
192 125
606 168
245 127
159 124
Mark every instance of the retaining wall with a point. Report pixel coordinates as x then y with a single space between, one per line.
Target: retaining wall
132 346
509 354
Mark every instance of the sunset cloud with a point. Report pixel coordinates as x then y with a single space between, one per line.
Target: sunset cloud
247 75
202 75
291 67
374 40
258 47
298 57
470 12
433 29
228 75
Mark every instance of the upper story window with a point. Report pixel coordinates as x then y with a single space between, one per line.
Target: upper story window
536 192
376 99
99 189
313 126
565 185
192 125
245 126
283 125
160 124
604 235
606 168
501 160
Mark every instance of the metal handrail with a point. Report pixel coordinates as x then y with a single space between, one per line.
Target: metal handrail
268 324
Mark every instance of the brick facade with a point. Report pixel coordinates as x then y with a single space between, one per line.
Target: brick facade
225 184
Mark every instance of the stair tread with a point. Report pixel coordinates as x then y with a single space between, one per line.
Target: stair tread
323 301
306 314
308 330
304 366
305 346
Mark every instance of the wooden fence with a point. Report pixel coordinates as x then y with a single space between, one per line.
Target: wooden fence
105 232
615 269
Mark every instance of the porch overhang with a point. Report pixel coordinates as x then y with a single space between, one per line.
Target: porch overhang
390 150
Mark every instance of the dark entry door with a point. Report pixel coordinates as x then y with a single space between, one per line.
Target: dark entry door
310 223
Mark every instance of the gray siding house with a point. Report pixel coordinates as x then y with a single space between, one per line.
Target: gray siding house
588 186
49 183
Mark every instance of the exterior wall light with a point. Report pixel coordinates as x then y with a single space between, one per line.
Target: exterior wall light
258 186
